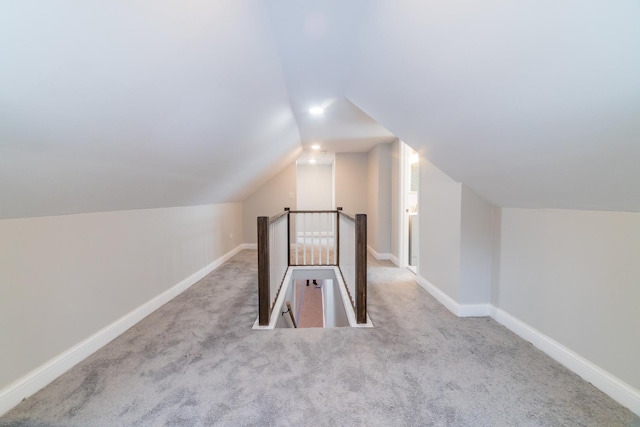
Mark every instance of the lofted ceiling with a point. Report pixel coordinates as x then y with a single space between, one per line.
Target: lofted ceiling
128 105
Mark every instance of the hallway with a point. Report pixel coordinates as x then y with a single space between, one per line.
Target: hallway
196 361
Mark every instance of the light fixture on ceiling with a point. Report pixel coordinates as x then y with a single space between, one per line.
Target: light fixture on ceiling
316 111
315 147
312 161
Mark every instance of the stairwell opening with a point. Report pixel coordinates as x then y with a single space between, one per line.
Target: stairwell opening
313 297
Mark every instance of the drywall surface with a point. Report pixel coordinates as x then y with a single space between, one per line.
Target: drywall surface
351 182
573 275
496 220
379 198
372 197
396 195
268 200
315 187
64 278
440 211
476 247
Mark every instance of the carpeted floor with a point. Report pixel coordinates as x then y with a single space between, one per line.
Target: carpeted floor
196 361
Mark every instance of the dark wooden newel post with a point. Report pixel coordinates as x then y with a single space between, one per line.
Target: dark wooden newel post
263 271
361 268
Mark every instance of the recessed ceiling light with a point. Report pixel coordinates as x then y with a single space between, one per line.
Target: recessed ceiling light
315 147
316 111
312 161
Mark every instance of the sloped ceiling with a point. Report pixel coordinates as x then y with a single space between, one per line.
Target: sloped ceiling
316 41
126 105
530 103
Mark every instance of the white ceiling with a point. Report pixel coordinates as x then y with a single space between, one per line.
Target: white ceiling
315 42
126 105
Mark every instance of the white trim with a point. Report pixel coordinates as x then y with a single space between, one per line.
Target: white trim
43 375
460 310
443 298
603 380
251 246
474 310
609 384
377 255
394 259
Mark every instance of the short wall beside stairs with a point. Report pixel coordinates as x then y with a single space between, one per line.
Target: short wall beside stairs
49 371
617 389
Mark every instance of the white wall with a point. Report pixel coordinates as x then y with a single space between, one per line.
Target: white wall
315 187
574 276
379 198
64 278
496 226
476 247
372 198
351 182
269 200
440 219
396 194
565 280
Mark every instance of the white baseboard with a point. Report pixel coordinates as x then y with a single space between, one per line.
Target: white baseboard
43 375
474 310
377 255
252 246
615 388
603 380
460 310
394 259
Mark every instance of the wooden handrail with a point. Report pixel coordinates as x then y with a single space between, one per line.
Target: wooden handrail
278 216
347 216
311 211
